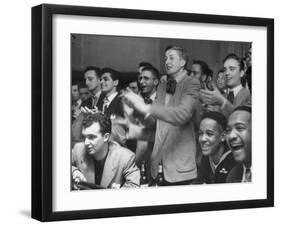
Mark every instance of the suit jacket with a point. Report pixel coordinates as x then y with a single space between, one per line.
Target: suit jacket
206 174
243 97
235 175
115 107
118 133
175 143
119 167
76 126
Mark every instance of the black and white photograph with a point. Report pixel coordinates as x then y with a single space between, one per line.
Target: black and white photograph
146 112
150 112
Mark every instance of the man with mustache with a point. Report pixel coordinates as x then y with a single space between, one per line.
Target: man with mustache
239 140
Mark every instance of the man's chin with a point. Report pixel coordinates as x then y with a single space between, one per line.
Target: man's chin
91 151
238 155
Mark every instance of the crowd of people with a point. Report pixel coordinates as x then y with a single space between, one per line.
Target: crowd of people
189 126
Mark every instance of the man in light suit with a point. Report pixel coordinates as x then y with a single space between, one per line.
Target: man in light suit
173 109
236 95
101 162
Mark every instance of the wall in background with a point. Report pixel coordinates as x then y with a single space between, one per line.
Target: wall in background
125 53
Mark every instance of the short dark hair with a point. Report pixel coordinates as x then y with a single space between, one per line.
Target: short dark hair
145 64
204 67
113 73
216 116
103 120
235 57
82 85
153 71
75 83
93 68
243 108
182 52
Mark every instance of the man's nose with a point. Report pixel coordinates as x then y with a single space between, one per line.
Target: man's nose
86 141
203 137
231 135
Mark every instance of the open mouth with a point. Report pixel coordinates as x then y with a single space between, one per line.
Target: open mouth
236 147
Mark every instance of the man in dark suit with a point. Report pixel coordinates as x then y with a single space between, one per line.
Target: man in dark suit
92 80
236 94
239 139
110 103
173 109
100 161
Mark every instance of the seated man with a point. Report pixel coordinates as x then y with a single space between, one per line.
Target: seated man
217 160
239 139
100 161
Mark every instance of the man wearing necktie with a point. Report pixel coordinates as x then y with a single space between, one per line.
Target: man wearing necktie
173 111
110 103
239 140
236 95
92 81
148 80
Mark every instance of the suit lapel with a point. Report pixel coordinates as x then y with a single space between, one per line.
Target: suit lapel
109 168
112 106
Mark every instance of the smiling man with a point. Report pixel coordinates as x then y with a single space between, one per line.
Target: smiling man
100 161
110 103
239 139
217 160
173 111
236 95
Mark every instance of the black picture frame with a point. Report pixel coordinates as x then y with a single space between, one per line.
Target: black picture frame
42 107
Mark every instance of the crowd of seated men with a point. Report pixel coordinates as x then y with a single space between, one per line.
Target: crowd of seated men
184 127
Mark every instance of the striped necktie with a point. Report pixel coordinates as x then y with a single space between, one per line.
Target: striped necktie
230 97
105 105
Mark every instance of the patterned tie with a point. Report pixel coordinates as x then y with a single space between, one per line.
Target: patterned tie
171 86
230 96
248 175
94 102
147 100
105 105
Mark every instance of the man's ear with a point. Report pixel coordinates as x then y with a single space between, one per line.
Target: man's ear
156 82
242 73
223 136
106 137
183 62
116 82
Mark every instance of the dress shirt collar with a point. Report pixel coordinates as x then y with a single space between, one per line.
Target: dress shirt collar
111 97
244 173
181 76
235 89
153 96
